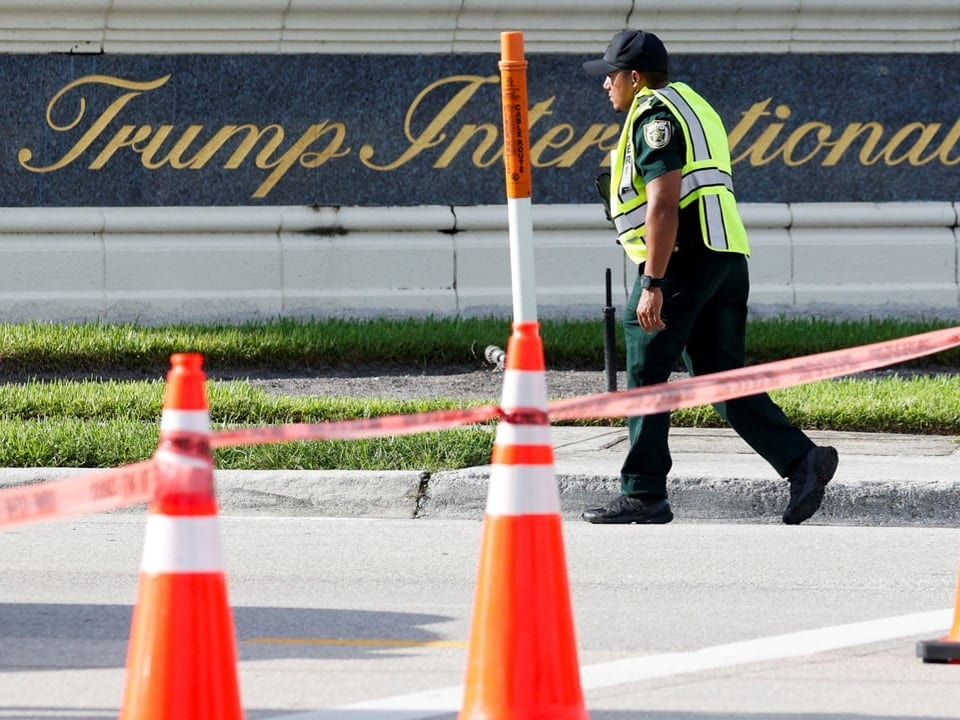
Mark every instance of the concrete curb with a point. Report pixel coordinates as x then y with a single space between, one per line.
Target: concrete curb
933 502
882 480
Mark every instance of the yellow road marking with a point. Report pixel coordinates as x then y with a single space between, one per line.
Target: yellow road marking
348 642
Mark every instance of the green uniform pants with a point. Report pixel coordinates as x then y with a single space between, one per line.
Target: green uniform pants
705 312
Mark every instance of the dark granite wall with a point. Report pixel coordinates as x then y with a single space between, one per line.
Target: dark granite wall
120 130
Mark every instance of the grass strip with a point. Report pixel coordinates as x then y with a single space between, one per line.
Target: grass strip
71 442
102 424
43 349
917 405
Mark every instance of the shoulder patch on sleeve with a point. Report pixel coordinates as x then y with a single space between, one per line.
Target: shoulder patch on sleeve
657 133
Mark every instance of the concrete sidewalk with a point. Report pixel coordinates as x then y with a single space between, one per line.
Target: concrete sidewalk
882 479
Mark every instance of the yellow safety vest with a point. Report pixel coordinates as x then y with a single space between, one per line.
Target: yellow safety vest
706 174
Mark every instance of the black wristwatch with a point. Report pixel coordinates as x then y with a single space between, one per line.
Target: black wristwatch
647 282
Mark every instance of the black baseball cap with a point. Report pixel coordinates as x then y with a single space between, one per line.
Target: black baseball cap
630 50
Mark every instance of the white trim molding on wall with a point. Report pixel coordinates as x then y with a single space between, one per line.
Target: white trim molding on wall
466 26
155 265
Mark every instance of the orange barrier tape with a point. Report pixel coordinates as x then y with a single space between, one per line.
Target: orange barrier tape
89 493
717 387
384 426
136 483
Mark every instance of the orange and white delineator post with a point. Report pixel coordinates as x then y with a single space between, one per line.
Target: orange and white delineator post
516 159
181 661
947 649
522 657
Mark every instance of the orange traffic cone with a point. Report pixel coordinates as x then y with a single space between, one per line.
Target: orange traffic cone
522 660
946 650
181 662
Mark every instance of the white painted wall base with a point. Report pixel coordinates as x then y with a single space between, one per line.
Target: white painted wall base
160 265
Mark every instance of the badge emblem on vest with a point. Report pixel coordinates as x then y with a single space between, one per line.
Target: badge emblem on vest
657 133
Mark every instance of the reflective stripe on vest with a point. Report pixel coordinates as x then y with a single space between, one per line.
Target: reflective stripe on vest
696 135
708 177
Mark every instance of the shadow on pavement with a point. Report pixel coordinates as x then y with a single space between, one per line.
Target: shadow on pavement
35 636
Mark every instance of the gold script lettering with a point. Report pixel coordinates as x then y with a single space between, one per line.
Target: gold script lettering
174 158
913 154
851 133
148 143
796 138
563 135
298 153
599 136
951 141
432 134
99 124
765 133
489 139
910 144
759 152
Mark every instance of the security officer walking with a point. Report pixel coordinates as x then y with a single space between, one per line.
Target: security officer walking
671 199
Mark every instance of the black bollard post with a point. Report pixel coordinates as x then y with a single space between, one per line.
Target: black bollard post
610 338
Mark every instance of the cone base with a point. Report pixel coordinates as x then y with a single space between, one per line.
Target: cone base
182 659
939 651
522 662
538 713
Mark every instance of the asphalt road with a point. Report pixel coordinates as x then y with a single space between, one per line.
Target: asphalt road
367 619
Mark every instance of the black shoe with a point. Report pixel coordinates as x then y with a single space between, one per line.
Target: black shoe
624 510
807 483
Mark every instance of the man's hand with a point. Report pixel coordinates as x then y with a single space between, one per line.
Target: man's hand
649 309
